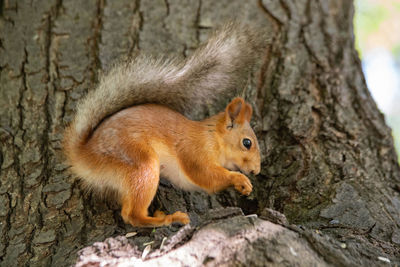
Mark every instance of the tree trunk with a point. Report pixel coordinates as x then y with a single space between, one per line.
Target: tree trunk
328 158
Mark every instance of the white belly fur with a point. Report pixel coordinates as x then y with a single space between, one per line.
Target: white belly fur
170 169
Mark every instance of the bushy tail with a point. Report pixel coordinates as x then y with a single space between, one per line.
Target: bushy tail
216 68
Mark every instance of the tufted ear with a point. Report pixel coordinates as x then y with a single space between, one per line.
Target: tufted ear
238 111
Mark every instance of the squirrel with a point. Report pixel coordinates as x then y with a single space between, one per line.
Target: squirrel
131 129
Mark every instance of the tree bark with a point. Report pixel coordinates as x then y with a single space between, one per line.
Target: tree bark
328 158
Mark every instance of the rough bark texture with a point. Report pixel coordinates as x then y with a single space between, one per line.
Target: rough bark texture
328 159
238 240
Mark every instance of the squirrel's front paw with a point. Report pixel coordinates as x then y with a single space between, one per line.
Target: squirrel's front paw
242 184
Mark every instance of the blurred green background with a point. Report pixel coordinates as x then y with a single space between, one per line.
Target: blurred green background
377 32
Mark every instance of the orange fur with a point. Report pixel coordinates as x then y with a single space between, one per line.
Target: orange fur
118 142
128 151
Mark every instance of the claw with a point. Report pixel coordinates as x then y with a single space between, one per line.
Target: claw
242 184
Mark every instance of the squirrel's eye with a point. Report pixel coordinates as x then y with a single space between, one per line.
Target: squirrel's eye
247 143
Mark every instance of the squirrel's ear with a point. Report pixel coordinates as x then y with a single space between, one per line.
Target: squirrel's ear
238 111
248 112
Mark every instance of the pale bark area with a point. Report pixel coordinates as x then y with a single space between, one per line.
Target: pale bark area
328 157
237 241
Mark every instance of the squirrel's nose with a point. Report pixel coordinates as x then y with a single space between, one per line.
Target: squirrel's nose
256 171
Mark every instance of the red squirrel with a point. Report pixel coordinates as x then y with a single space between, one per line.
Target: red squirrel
130 129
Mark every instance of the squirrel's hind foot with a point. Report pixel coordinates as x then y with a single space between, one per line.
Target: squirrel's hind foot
159 219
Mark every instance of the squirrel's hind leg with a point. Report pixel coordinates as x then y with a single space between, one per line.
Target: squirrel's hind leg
141 182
